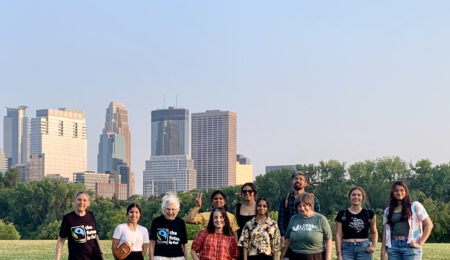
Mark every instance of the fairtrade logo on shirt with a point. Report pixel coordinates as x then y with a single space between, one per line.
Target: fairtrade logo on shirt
81 234
167 237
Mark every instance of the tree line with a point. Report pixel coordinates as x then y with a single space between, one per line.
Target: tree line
35 209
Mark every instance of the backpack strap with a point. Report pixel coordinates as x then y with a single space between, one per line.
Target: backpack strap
286 201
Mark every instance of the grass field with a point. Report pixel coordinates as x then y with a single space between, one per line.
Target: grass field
45 249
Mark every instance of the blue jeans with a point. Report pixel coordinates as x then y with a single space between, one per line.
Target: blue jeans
400 250
356 250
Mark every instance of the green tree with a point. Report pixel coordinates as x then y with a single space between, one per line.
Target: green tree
8 231
50 230
9 179
274 185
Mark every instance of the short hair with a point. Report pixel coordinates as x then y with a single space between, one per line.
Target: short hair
170 197
267 203
306 198
82 192
299 173
133 205
360 189
251 185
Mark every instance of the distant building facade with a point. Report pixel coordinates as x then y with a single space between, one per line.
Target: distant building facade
3 162
16 139
214 148
244 170
105 185
279 167
114 148
170 167
58 143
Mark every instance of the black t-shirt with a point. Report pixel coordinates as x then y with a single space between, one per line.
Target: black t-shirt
355 226
168 235
81 232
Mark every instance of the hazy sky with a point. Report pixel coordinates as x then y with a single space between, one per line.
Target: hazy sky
309 80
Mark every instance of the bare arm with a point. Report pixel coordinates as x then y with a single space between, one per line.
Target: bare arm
245 253
427 227
152 249
59 246
194 255
194 211
287 242
383 245
183 247
328 249
144 248
339 236
374 232
114 244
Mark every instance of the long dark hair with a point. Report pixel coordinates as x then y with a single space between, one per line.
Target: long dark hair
223 195
226 228
393 203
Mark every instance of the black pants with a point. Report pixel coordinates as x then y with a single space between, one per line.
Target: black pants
260 257
135 255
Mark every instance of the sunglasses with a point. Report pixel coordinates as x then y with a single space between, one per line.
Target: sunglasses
247 191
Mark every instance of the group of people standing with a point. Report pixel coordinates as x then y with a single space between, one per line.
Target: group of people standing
300 233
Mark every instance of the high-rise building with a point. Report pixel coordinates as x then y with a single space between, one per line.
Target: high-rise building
3 162
214 148
58 143
280 167
117 122
244 170
16 143
170 167
170 131
114 148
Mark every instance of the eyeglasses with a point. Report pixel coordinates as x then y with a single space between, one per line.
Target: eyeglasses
247 191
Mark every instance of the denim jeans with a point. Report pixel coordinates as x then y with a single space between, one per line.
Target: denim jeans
400 250
356 250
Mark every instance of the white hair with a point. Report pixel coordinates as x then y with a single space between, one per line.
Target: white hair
170 197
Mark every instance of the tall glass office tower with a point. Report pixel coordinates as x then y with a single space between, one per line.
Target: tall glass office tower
170 167
16 137
170 131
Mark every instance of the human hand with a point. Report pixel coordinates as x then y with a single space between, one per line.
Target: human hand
415 245
370 249
198 200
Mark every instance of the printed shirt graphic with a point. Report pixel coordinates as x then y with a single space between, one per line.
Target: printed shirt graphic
168 236
81 234
357 224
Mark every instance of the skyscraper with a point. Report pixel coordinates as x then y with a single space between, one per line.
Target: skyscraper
117 122
16 143
170 131
170 167
3 162
114 148
58 143
214 148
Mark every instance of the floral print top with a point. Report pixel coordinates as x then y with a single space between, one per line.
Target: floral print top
419 214
260 238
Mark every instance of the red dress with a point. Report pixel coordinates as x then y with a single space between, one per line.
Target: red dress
215 246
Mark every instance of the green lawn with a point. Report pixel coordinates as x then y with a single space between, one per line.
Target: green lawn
45 249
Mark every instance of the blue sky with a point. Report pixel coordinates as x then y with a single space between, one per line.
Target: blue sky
309 81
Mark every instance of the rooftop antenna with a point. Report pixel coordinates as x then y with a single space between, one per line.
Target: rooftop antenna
164 101
176 100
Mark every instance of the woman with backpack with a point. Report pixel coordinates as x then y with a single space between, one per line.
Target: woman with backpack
352 229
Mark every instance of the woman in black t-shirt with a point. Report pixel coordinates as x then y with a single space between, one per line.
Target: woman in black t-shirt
352 229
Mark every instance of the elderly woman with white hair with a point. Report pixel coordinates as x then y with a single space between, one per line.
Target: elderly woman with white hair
168 236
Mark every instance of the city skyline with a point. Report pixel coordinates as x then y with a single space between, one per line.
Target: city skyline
349 81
